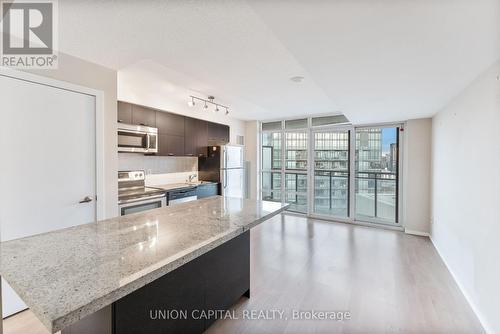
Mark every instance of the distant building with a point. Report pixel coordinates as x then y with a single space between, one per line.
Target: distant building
369 150
393 157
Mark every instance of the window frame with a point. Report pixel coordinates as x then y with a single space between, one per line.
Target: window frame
352 172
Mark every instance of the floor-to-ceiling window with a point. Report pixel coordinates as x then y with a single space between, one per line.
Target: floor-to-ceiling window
296 156
331 172
271 157
308 162
376 177
284 156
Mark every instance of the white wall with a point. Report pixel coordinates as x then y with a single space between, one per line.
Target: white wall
466 193
145 88
417 175
84 73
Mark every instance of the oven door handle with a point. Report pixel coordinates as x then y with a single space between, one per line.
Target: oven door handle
148 142
141 199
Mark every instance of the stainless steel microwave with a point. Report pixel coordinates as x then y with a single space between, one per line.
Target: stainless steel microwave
137 138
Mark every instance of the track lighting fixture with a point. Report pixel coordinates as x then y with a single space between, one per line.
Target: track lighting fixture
209 100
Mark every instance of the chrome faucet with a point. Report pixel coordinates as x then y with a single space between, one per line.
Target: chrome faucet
191 177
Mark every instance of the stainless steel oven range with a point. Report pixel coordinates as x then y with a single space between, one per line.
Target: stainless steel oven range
134 196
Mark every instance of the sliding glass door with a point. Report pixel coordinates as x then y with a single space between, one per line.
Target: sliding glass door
376 174
331 172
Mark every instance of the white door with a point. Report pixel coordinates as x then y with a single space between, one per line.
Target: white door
48 144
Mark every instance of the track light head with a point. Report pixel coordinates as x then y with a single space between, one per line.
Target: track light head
227 111
206 105
216 108
191 103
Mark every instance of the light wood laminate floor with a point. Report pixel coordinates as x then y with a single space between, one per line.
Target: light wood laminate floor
390 282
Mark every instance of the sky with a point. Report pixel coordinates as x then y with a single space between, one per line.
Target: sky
388 137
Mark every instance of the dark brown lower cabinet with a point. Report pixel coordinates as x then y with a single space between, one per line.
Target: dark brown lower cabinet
178 301
170 145
226 274
214 281
178 293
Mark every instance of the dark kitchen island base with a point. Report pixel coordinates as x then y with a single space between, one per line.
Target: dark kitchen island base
186 300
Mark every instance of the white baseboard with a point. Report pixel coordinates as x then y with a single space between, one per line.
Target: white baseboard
419 233
487 328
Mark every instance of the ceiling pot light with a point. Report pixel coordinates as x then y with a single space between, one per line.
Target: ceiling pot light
297 78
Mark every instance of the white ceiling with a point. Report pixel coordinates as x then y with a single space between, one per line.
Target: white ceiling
374 61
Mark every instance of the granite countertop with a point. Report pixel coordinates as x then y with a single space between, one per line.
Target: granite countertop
67 274
174 186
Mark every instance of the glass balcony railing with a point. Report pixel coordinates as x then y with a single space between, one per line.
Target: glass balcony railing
331 193
376 195
296 191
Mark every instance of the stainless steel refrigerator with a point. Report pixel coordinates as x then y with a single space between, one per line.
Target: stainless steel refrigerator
224 164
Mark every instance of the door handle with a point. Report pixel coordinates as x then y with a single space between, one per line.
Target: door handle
87 199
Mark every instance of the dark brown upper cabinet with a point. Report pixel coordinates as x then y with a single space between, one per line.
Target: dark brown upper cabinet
170 124
224 132
218 133
143 116
190 136
177 135
201 138
170 145
124 112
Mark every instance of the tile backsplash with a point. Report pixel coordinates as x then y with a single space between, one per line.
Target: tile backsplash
169 178
157 165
